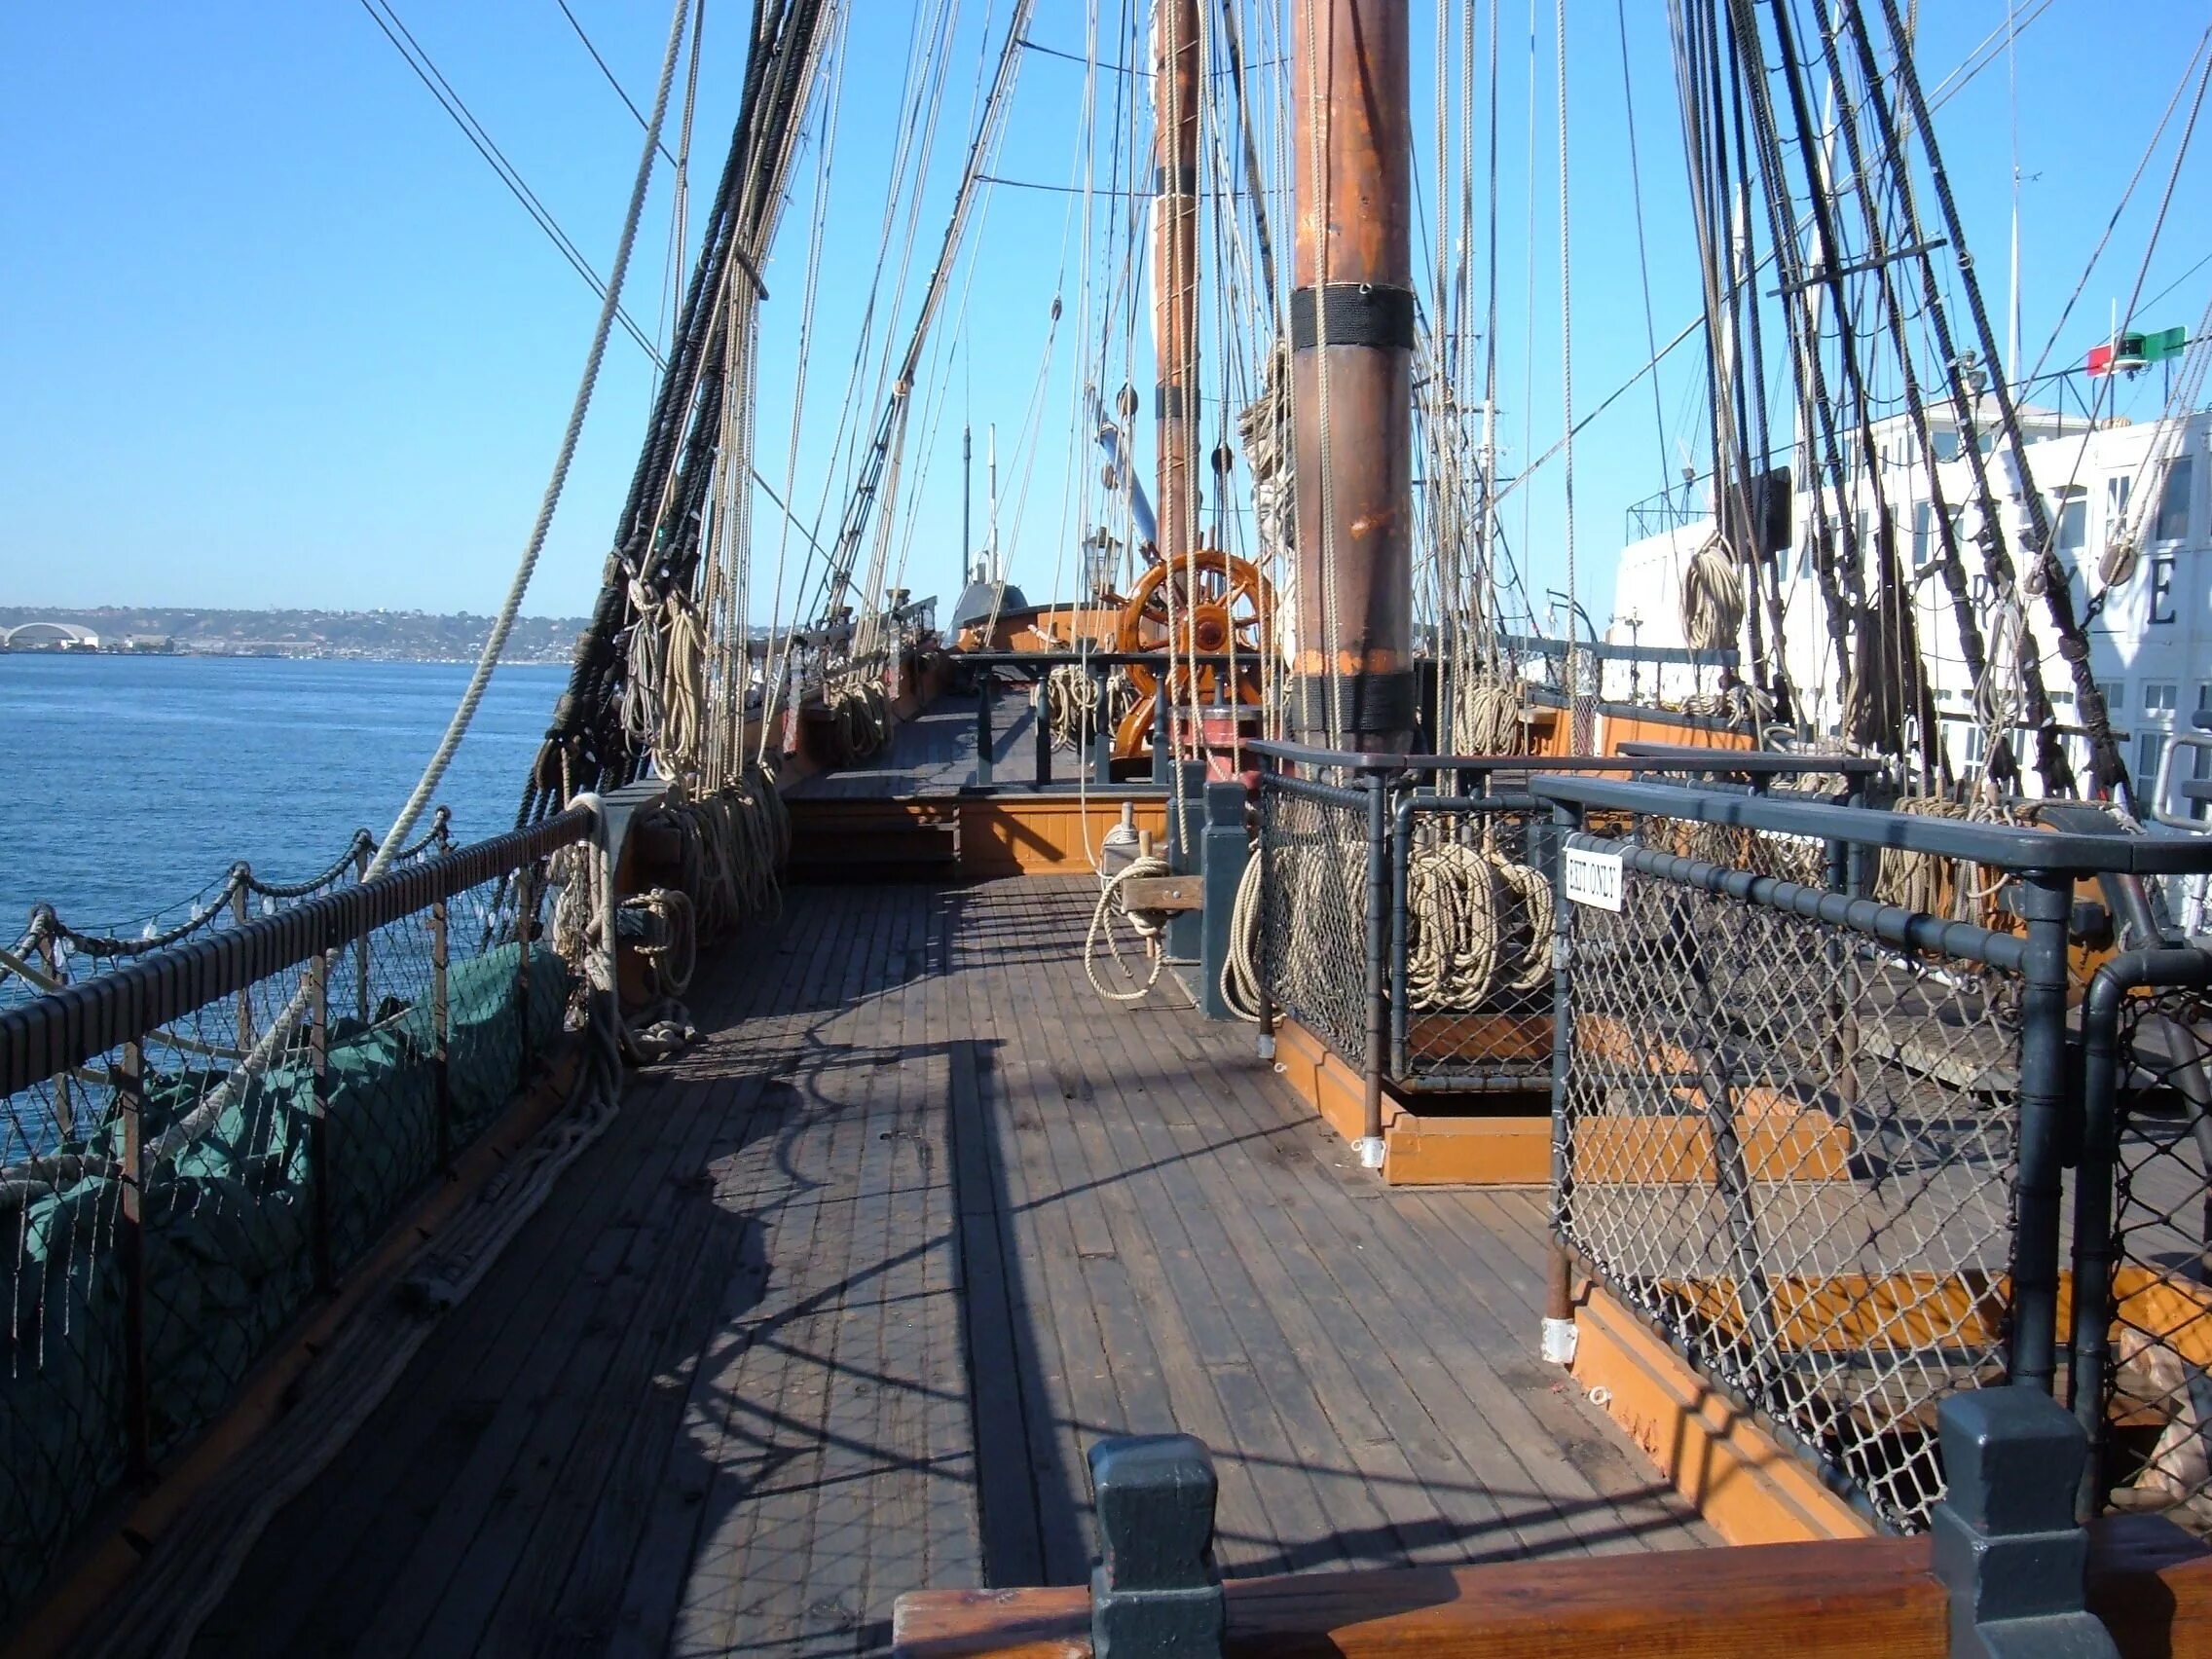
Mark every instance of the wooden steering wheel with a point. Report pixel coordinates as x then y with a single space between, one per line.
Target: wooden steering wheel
1221 604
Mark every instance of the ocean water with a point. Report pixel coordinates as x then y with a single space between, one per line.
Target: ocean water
128 783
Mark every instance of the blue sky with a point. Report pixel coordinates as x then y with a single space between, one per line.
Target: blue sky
270 333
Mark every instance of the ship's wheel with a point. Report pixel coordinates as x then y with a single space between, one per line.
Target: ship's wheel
1221 603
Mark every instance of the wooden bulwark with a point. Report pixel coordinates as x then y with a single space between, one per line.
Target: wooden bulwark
1866 1599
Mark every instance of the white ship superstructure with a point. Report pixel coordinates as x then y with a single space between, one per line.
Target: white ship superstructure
2108 487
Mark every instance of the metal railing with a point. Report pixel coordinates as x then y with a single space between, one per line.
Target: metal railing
1471 915
54 950
1405 903
206 1137
1818 1143
2141 1325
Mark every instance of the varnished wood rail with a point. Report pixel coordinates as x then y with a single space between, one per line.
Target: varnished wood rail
2149 1584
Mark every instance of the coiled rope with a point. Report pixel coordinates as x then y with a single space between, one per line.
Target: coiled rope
1240 984
1150 926
1924 881
1489 716
1713 598
1476 924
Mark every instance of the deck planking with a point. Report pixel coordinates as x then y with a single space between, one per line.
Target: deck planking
835 1308
933 752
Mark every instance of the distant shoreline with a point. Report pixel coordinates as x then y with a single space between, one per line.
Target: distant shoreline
199 655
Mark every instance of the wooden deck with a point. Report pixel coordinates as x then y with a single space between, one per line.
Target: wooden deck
834 1310
934 753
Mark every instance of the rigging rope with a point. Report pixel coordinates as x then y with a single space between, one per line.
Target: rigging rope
279 1033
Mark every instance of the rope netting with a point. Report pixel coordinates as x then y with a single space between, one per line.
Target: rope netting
165 1216
1312 919
53 951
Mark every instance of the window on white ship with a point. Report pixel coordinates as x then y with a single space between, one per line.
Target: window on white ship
2116 695
1977 743
1985 442
2072 512
2173 501
2203 766
1922 535
2116 502
2159 697
1945 442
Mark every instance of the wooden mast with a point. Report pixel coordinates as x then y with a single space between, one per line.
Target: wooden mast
1352 305
1175 270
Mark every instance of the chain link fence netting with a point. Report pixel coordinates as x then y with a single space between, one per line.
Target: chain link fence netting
1791 1145
171 1203
1314 908
2144 1239
1471 963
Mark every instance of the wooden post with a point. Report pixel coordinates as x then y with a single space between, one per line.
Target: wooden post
1352 327
1175 272
64 1104
362 947
239 915
130 1251
526 907
441 1035
318 1123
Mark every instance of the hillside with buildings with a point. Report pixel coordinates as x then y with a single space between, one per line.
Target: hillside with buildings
401 636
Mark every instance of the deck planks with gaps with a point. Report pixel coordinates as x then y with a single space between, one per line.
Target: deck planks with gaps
837 1306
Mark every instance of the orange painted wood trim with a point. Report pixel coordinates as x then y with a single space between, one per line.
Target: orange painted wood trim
1047 835
1321 1079
1467 1152
1834 1599
1748 1489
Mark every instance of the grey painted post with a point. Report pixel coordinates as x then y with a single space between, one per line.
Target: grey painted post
2045 1098
1044 735
1222 853
2007 1547
1163 743
1102 732
1156 1593
984 727
1186 833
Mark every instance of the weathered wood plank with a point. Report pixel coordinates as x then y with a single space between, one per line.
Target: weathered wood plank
836 1309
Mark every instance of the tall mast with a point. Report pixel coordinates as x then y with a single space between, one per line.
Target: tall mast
1175 268
1351 331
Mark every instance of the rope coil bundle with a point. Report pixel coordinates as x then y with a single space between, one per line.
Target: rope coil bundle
1713 598
1931 883
1075 709
1476 923
1150 926
861 718
1489 716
